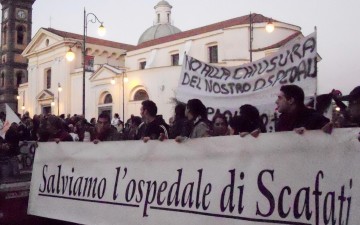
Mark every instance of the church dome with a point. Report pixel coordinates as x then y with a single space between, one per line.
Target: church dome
163 3
162 25
158 31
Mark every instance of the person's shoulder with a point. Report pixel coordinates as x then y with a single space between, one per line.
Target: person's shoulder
310 112
202 125
314 120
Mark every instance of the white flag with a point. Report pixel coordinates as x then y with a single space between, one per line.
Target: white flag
11 117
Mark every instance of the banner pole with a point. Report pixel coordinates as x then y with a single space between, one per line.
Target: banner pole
316 68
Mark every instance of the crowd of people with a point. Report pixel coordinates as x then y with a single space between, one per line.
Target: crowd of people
190 121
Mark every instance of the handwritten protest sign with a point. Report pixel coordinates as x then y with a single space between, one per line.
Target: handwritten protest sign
257 83
274 179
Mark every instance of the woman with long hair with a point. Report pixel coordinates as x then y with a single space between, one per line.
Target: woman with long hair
196 113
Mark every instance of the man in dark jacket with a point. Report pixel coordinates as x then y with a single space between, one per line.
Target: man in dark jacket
294 114
153 127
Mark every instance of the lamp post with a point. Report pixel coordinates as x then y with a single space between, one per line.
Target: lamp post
58 100
269 28
70 55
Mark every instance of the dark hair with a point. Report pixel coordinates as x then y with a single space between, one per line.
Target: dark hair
55 122
221 116
197 108
136 120
252 117
294 91
150 106
93 120
180 111
249 111
235 123
104 116
241 124
116 115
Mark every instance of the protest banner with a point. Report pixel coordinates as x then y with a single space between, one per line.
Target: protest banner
277 178
258 83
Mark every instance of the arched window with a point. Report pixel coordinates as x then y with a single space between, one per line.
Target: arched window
141 95
105 103
108 99
48 79
4 35
20 35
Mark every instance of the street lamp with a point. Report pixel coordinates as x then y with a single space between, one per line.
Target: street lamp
269 28
58 100
70 54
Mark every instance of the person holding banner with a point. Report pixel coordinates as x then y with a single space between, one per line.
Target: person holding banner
196 113
180 126
294 114
104 131
220 125
132 127
254 124
153 127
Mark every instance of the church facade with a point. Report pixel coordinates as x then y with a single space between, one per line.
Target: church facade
125 75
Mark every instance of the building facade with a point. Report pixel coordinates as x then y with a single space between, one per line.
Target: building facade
48 70
151 69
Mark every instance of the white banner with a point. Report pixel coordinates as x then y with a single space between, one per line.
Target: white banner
277 178
225 89
257 82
